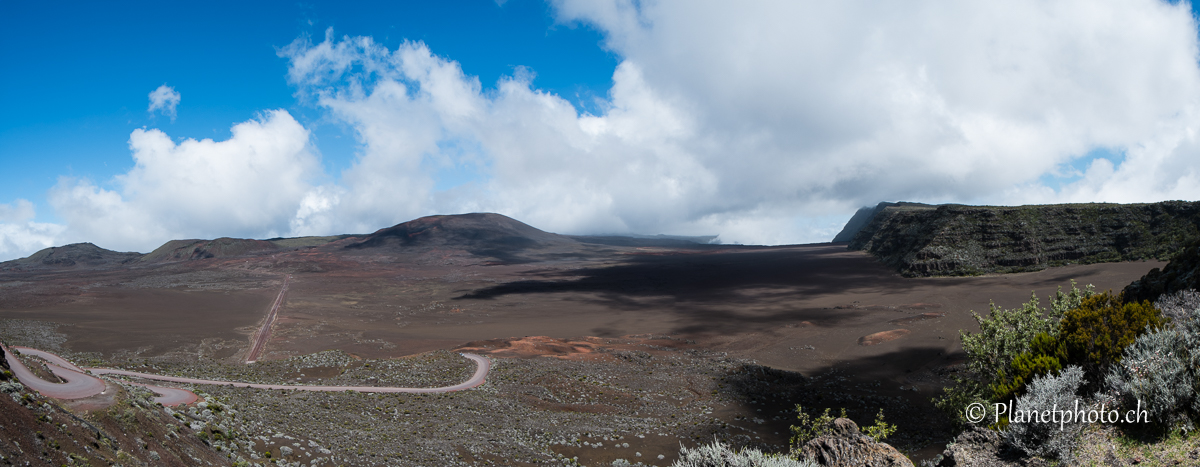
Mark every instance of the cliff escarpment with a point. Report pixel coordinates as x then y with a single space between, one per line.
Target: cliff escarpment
921 240
1182 273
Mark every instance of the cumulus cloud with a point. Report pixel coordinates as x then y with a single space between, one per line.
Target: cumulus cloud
541 160
19 235
922 100
250 185
21 239
772 122
762 122
164 99
19 211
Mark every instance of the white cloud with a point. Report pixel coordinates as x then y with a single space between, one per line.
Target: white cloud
860 102
19 211
19 239
164 99
544 163
250 185
764 122
19 235
757 120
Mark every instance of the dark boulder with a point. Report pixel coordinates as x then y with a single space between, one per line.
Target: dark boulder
845 446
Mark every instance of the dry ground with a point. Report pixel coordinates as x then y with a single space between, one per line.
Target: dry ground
850 333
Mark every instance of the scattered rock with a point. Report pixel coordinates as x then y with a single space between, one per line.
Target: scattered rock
845 446
980 447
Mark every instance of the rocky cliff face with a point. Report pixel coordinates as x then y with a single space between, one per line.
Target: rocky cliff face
923 240
864 215
1182 273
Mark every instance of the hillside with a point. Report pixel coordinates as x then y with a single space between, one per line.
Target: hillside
131 430
476 230
75 254
863 217
183 250
1182 273
481 234
921 240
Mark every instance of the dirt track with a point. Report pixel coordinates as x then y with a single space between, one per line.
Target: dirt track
79 384
264 334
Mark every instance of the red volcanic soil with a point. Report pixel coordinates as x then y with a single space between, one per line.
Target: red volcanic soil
882 336
583 348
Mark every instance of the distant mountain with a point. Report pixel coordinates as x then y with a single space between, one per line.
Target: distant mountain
482 234
73 255
923 240
475 230
185 250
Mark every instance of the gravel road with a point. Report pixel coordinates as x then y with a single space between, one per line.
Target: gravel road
79 384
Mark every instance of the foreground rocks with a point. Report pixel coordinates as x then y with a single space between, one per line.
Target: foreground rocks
847 447
979 447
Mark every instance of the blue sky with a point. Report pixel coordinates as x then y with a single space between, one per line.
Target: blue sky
767 122
87 68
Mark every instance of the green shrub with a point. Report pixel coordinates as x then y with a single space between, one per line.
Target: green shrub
1092 335
1003 336
963 393
808 428
1045 356
880 429
1095 334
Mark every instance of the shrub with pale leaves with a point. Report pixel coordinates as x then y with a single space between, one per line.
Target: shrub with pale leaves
1048 393
719 454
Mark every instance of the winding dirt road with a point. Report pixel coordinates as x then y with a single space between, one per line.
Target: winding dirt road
79 384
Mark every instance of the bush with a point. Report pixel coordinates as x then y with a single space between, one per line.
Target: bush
1095 334
1047 439
1180 306
719 454
1162 368
808 428
1003 336
1045 356
881 429
1160 371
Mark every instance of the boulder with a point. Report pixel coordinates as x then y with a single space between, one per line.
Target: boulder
980 447
846 446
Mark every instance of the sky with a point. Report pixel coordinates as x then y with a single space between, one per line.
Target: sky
762 122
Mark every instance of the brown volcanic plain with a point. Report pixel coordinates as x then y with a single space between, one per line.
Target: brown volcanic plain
494 285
